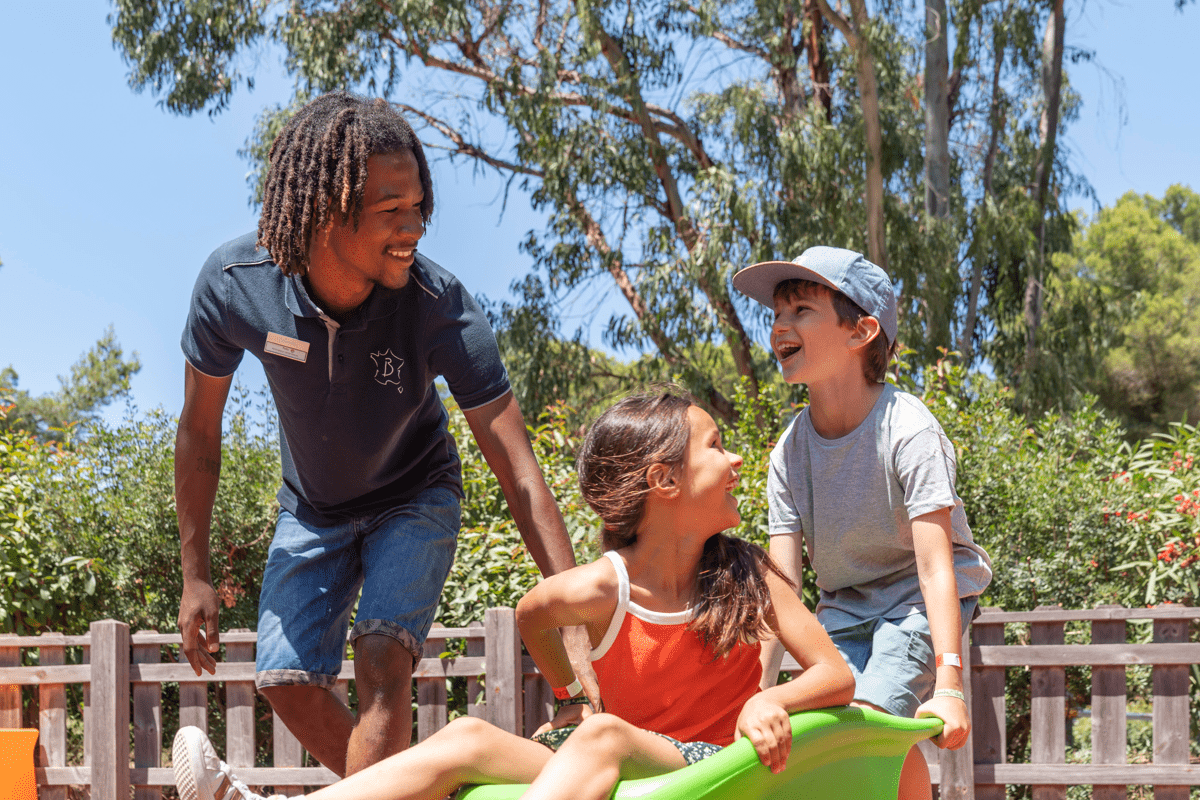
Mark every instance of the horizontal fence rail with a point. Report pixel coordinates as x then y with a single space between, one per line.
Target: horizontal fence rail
121 675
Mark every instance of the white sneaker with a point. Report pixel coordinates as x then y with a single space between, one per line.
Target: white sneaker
200 775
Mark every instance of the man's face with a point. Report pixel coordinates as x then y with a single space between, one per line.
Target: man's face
381 251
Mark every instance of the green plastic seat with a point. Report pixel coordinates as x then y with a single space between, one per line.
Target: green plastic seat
844 753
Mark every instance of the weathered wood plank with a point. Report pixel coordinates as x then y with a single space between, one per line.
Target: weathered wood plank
539 702
989 726
10 695
147 720
1108 709
1170 711
504 681
1089 774
193 693
239 705
1068 655
432 712
165 776
286 752
1088 614
475 651
957 767
52 716
1048 715
110 710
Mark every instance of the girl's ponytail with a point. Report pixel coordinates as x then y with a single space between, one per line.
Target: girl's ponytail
732 597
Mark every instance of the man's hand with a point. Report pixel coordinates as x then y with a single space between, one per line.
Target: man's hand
767 726
566 717
952 712
198 613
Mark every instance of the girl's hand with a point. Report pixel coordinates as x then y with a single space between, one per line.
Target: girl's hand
768 728
567 716
952 712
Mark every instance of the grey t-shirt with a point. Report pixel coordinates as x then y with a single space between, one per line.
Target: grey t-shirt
853 499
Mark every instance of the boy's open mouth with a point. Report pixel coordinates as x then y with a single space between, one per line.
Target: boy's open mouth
787 349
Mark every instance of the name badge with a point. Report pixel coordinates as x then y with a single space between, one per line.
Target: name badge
287 347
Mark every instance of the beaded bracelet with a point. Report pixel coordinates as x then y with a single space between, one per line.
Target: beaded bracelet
950 693
573 701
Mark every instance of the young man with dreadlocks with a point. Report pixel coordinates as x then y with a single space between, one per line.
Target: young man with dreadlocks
352 326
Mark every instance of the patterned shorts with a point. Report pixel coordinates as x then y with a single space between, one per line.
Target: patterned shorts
691 751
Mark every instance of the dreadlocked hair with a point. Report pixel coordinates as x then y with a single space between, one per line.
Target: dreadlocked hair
318 168
731 597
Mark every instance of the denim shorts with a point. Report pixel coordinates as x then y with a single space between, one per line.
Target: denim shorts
893 659
399 558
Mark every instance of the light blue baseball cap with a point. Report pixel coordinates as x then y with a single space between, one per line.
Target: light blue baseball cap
844 271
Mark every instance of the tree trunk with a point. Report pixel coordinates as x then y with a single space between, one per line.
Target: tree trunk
869 98
818 61
1052 53
937 111
996 124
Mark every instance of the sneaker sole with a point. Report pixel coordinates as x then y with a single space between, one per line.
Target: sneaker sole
187 754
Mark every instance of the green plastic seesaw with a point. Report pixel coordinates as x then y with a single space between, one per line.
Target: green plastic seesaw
844 753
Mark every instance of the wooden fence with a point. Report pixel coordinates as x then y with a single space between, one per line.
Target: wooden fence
123 674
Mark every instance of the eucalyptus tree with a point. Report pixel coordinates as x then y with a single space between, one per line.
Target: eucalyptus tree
670 142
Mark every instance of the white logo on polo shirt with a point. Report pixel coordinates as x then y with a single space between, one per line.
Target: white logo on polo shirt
387 368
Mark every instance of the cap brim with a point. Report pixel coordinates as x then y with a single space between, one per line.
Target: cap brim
758 281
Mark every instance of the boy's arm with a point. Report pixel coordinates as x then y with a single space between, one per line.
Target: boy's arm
786 551
939 588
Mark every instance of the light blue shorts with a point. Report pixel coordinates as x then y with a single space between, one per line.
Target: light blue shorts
893 659
399 559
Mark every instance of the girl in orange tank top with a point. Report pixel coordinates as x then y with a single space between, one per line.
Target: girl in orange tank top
674 611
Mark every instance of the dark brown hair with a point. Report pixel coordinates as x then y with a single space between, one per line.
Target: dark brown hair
879 350
732 598
318 167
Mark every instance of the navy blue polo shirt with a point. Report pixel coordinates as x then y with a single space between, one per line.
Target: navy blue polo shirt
362 427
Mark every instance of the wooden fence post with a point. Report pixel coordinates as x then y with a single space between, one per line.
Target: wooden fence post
1170 712
475 647
193 700
287 752
432 712
957 767
1108 708
239 705
1048 711
10 696
989 725
504 680
110 710
52 715
147 720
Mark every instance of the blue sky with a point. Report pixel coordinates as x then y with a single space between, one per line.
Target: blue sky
108 204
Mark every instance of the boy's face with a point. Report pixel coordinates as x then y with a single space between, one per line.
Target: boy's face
809 340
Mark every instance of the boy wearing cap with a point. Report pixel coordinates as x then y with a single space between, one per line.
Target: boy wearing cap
864 475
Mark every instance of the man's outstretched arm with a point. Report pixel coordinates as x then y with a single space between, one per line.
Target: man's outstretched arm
197 472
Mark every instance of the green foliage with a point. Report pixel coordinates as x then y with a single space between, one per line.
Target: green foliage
99 515
100 376
1139 262
669 144
38 576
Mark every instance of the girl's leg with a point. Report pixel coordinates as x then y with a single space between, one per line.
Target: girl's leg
603 750
467 750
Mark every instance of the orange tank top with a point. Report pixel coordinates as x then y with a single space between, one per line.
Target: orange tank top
655 673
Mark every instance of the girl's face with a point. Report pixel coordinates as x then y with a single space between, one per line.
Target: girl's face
709 476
